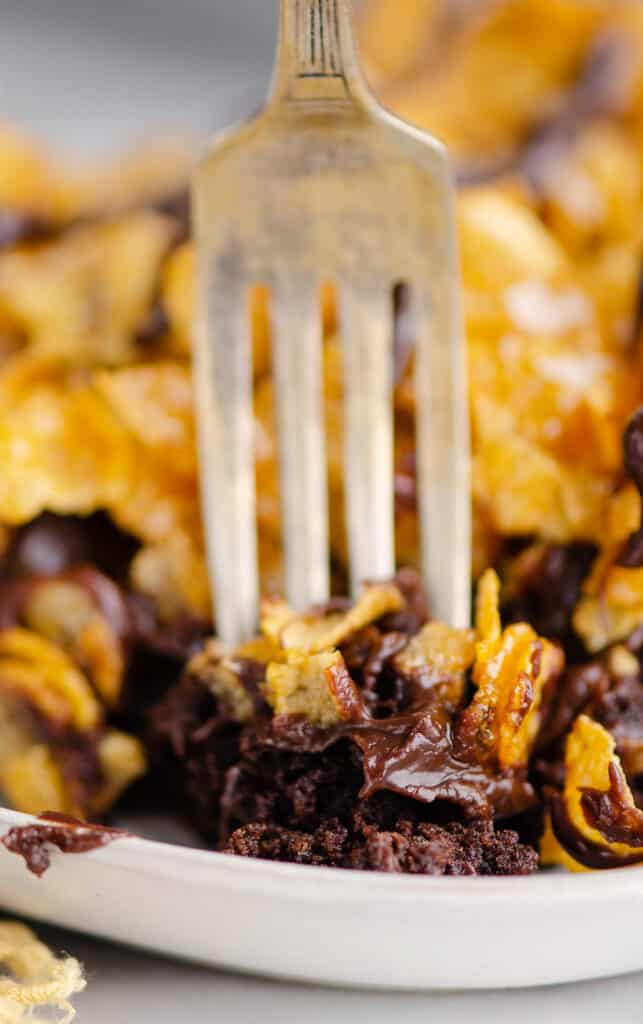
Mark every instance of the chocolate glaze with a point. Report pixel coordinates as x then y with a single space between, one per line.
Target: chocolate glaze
287 788
177 205
154 327
632 555
550 591
414 754
637 320
108 598
416 611
583 850
33 842
610 812
614 701
580 685
368 656
18 227
290 733
53 549
620 710
52 544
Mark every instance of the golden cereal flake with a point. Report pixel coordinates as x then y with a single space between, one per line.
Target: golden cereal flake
122 760
32 980
316 686
318 631
61 447
438 656
37 671
489 85
31 781
219 673
511 671
611 605
593 766
154 402
82 297
64 612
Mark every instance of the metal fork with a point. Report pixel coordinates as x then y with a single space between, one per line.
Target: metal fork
325 186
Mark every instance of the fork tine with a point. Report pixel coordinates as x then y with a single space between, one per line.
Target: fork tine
367 332
302 447
443 446
223 387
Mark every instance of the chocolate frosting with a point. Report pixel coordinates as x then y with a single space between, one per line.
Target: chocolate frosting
413 754
583 850
632 555
33 842
610 812
18 227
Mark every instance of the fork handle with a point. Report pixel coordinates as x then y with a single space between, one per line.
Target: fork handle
316 58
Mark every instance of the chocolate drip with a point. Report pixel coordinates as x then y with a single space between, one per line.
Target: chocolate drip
632 555
18 227
584 851
33 842
610 813
413 754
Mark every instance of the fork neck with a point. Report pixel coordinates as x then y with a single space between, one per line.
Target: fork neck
316 58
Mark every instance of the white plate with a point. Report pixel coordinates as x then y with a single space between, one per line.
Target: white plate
338 927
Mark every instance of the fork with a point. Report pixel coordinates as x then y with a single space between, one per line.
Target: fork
323 185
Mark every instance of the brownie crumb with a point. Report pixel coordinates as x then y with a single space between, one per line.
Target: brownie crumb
419 849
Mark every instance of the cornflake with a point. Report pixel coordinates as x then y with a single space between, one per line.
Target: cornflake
512 669
315 632
37 981
602 826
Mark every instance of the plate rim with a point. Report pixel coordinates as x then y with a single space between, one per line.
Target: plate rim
136 854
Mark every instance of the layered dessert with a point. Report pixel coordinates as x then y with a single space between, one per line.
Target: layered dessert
361 735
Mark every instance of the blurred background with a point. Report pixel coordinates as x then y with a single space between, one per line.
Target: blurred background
91 75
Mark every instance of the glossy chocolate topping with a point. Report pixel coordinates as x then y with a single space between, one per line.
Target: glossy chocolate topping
33 842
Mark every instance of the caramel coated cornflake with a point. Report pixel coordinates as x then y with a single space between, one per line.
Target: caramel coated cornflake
57 751
67 772
121 760
612 603
39 673
595 821
463 91
65 611
82 297
222 675
316 686
318 631
34 981
511 671
61 447
438 657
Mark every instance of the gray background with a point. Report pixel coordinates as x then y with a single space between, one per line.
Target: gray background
92 75
130 989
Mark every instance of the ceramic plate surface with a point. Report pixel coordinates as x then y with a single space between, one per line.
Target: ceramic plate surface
337 927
